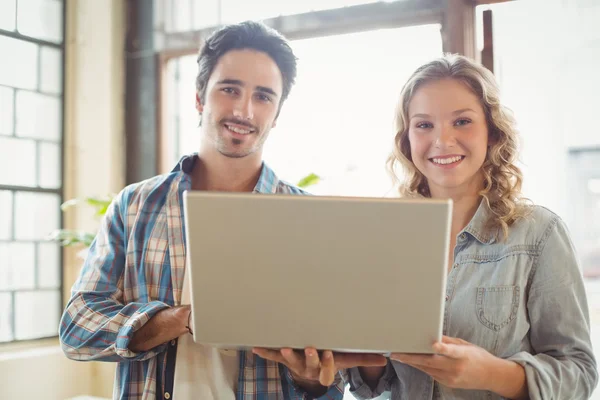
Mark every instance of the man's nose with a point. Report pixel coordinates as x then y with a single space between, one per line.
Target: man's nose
243 109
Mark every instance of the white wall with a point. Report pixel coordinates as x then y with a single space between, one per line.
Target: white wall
94 165
547 58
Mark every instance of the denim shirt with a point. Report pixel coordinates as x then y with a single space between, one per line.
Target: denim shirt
521 299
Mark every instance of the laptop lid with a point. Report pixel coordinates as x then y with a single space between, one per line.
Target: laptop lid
341 273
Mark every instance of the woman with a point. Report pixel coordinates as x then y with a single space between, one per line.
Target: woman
516 321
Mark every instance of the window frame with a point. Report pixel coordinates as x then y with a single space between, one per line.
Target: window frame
13 189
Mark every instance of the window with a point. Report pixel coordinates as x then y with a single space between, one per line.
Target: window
553 93
187 15
31 137
338 120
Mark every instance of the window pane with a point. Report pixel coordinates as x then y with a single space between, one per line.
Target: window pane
18 265
6 111
6 214
20 70
41 323
38 116
205 14
41 19
48 265
180 12
37 215
239 10
5 317
7 15
17 161
5 271
49 165
50 70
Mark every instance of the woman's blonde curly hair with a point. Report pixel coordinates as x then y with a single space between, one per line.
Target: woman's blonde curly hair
502 178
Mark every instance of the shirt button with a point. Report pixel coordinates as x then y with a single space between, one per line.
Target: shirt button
167 395
462 236
447 297
173 342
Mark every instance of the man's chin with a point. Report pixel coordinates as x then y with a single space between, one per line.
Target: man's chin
235 153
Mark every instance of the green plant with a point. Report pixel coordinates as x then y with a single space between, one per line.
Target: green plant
68 237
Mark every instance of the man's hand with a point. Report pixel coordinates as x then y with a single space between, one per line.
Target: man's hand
310 370
165 325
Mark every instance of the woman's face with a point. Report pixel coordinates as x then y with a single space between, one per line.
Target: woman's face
448 136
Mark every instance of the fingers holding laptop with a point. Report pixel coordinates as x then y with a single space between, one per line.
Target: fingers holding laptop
456 364
309 366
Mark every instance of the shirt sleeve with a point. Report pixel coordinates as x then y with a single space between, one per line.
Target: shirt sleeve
561 364
95 324
362 391
294 392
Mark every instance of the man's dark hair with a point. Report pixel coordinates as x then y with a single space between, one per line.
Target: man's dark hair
247 35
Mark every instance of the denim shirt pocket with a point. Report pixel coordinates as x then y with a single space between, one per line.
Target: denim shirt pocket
497 306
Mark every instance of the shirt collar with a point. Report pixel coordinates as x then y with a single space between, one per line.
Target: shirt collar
477 226
267 181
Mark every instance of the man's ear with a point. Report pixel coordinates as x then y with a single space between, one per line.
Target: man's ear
199 105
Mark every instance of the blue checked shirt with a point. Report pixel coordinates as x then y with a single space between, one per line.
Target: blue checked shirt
134 269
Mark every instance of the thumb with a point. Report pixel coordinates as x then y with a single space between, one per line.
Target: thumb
449 349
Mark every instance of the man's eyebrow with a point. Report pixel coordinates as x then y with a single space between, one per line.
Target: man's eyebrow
237 82
265 89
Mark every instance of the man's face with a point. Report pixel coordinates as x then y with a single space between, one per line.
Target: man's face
241 103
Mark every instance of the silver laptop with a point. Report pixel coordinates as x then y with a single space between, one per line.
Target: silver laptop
346 274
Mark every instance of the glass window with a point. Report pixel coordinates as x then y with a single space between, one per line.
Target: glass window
19 264
8 9
41 19
6 110
31 132
20 70
198 14
49 167
364 79
41 323
21 171
554 99
36 215
239 10
38 116
6 214
6 313
48 265
50 70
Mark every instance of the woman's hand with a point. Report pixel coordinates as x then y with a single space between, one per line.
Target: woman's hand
463 365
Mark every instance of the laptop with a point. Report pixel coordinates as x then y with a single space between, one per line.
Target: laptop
348 274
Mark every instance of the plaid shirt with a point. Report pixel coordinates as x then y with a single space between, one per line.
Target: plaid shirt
134 269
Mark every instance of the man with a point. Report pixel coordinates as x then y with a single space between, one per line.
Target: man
131 302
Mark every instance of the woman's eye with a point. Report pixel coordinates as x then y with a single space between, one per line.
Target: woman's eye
462 122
